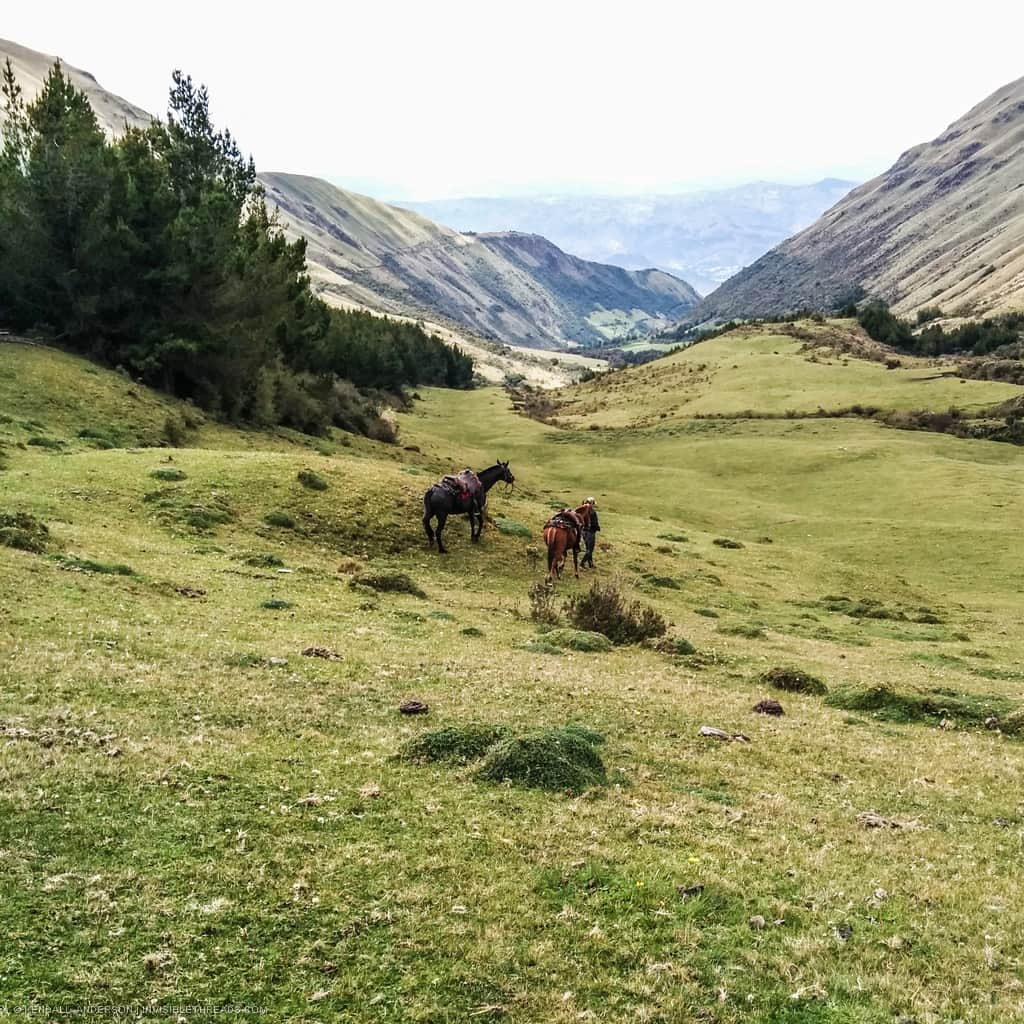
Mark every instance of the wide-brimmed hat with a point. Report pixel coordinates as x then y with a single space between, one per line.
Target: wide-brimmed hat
591 501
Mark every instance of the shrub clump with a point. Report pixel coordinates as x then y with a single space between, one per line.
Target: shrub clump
558 760
580 640
24 532
455 744
726 542
511 528
103 568
281 519
605 609
276 604
679 538
793 680
168 473
264 561
890 705
542 603
665 582
312 481
388 582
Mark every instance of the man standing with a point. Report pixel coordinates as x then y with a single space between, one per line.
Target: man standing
590 534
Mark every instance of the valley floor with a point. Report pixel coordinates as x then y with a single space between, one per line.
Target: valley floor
194 811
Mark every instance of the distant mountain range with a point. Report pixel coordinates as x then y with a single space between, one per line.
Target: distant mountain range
943 227
704 237
517 288
514 288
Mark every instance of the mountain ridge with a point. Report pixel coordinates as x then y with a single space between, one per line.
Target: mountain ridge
942 227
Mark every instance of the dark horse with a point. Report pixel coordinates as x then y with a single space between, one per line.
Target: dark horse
441 503
562 533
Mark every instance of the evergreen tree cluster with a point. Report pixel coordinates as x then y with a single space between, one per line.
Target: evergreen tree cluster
157 252
977 337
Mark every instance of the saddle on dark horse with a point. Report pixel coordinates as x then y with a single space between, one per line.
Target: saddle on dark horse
466 486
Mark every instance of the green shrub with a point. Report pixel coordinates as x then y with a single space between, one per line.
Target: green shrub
579 640
471 631
708 613
725 542
605 609
175 431
277 604
46 442
542 603
388 582
793 680
665 582
169 473
749 630
678 537
100 438
24 532
312 481
264 561
558 760
511 528
891 705
280 519
458 744
104 568
542 646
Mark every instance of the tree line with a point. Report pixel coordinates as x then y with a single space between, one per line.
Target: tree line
156 252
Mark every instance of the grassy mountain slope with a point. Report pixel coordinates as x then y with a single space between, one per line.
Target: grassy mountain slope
32 67
366 253
704 237
192 809
942 227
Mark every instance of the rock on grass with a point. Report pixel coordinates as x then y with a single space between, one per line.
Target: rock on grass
558 760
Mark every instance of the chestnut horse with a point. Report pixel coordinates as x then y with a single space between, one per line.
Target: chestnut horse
562 533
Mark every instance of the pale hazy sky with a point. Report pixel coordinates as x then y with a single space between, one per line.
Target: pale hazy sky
451 98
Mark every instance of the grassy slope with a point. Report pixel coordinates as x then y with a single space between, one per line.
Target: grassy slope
254 843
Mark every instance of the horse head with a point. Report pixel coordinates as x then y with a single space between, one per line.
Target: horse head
506 473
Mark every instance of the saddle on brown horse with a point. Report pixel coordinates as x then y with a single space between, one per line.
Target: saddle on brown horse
566 519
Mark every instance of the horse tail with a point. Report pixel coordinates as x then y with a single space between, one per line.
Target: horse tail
427 513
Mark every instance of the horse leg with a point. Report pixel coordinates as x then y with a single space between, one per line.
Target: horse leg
442 518
575 564
426 527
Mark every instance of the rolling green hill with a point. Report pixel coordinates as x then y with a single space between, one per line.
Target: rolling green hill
192 810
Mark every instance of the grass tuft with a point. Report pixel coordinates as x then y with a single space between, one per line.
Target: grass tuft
279 519
388 582
511 528
23 532
312 481
579 640
792 680
454 744
277 604
889 705
557 760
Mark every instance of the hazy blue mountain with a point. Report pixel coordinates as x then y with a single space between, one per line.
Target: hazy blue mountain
703 237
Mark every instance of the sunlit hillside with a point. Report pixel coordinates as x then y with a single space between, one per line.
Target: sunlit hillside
205 788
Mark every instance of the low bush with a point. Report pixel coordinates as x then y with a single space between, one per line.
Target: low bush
388 582
579 640
542 603
458 744
891 705
24 532
558 760
605 609
277 604
103 568
511 528
280 519
793 680
46 442
726 542
312 481
679 538
264 561
168 473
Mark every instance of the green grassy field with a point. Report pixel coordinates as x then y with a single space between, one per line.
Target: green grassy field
194 812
